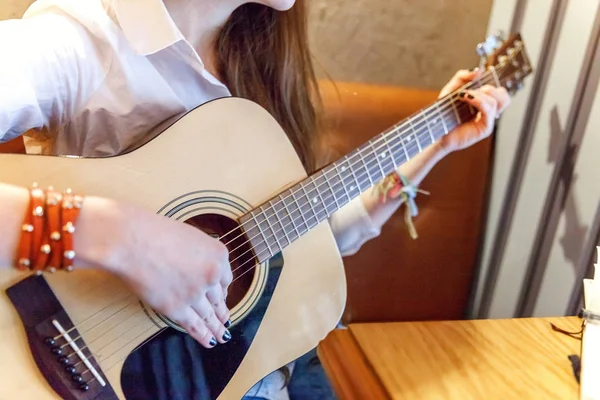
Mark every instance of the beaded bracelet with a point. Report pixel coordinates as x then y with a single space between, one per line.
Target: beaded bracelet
46 242
396 186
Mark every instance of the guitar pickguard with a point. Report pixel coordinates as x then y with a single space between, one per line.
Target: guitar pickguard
173 366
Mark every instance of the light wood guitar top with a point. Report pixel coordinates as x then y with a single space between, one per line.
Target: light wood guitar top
481 359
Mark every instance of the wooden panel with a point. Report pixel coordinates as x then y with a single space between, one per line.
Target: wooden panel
484 359
396 278
347 368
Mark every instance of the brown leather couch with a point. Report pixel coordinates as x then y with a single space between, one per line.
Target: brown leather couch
394 277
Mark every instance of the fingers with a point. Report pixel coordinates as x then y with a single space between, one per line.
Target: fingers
195 327
226 278
500 94
459 79
207 313
487 106
217 300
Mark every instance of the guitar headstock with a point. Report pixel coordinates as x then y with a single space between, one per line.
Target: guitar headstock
508 58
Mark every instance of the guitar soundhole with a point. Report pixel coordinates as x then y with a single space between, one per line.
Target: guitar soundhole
241 255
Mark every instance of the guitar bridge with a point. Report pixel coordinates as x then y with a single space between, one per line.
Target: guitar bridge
60 353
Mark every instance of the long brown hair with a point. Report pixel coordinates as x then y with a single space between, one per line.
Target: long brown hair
262 55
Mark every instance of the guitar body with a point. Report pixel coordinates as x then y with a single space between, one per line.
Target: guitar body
223 158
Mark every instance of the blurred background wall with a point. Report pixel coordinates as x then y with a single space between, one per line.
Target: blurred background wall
400 42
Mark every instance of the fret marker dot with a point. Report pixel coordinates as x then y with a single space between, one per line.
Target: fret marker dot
352 187
383 154
315 200
343 168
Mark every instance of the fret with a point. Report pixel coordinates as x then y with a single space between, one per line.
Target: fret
268 219
318 200
309 204
495 75
318 187
360 153
455 111
417 141
285 226
265 241
424 138
412 131
308 227
338 174
352 188
292 219
378 158
428 128
332 190
389 149
437 108
403 144
253 235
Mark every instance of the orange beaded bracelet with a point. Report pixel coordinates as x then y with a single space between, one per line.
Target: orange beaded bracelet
46 242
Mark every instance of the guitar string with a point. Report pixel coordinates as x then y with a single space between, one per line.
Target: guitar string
359 179
398 130
97 313
448 102
105 370
425 130
316 218
422 132
499 71
110 343
303 219
412 148
103 324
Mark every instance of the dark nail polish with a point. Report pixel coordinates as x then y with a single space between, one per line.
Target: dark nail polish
213 342
470 96
228 323
462 94
227 336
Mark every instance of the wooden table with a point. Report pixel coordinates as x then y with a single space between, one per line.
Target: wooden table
482 359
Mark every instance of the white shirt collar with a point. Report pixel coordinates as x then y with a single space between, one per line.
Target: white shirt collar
147 25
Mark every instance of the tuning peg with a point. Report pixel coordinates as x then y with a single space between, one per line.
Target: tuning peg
481 52
500 36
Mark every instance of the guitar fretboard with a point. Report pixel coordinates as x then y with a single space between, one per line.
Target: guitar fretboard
283 219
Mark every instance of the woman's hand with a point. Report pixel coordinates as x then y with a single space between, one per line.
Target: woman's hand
175 268
489 100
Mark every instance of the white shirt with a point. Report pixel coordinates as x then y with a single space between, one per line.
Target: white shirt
93 77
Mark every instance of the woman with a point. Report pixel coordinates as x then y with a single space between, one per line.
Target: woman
93 77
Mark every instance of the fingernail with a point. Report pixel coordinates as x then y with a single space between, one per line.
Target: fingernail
470 96
227 336
228 323
213 342
462 94
473 69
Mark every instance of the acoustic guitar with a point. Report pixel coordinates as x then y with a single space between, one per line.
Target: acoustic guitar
227 168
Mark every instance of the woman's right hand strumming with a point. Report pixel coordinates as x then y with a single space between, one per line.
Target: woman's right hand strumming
178 270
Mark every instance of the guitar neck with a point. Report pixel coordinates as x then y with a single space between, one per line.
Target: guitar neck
286 217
